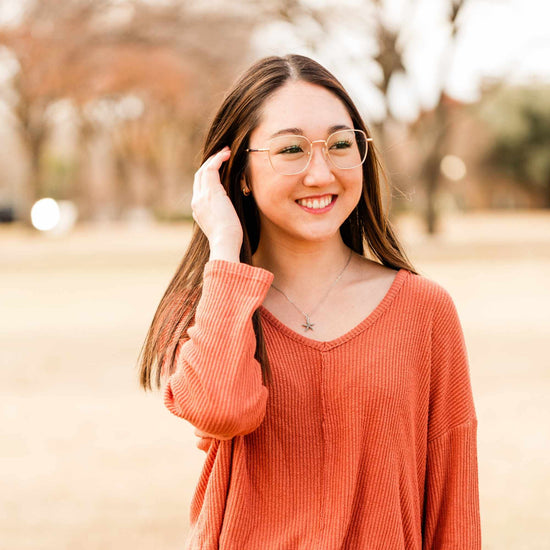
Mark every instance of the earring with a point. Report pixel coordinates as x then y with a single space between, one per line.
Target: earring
245 191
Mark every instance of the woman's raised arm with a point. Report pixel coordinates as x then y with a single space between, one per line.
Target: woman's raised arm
217 385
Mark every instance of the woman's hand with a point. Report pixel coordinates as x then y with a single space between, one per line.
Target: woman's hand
212 208
204 435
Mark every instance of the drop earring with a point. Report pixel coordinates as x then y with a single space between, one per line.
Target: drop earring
246 191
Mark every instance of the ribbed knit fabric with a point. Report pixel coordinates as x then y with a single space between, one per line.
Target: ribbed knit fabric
367 441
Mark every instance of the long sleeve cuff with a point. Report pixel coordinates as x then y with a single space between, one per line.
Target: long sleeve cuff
451 512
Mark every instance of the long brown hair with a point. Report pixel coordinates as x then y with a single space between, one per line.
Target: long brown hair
235 120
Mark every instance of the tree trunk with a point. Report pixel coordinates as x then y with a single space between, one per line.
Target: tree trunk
32 182
432 183
432 166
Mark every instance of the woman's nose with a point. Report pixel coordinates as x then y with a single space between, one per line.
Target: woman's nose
319 169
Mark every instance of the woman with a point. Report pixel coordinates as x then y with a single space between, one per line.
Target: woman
330 391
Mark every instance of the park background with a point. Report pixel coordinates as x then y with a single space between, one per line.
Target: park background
103 106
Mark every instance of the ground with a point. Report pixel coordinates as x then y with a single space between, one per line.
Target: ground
88 460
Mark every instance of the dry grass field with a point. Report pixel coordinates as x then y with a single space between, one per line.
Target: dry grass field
89 461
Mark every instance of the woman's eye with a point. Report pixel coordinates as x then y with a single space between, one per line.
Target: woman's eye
341 145
291 149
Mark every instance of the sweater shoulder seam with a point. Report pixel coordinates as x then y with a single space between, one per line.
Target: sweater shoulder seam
470 422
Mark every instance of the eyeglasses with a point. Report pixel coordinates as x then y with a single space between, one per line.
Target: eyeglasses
291 154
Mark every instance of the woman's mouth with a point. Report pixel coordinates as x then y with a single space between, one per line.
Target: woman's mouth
318 205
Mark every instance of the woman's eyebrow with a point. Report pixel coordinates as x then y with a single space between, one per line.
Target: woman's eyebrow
300 132
339 127
287 131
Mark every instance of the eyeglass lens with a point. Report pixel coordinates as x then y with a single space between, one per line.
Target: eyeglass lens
289 154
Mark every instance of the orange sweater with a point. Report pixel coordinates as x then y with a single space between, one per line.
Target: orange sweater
364 442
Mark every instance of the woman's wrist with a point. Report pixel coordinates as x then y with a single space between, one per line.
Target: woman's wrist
221 250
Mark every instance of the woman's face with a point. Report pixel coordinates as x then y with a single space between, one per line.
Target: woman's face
314 112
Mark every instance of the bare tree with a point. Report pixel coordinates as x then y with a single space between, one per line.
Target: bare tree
49 44
174 61
431 126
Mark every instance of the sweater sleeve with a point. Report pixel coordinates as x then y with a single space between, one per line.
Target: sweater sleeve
217 384
451 518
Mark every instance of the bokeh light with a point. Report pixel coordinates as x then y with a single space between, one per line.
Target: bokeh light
45 214
453 167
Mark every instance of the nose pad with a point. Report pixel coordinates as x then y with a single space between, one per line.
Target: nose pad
314 168
323 151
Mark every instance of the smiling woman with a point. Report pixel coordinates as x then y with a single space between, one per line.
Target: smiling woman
335 406
323 162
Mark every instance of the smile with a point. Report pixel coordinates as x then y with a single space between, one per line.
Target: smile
318 206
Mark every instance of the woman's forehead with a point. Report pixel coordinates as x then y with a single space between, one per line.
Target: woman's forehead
304 106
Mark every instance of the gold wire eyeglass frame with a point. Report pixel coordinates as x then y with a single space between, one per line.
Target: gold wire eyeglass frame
326 153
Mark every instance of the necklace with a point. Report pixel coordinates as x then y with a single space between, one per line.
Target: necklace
308 324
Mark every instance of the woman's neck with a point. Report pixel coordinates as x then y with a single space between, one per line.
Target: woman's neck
303 270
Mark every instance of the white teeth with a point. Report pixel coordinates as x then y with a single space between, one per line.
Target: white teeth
316 203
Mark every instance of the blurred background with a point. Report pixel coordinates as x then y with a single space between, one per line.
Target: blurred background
103 108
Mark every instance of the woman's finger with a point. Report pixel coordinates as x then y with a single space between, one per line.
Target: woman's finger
212 163
216 160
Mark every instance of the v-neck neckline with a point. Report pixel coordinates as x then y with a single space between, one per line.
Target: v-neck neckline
396 285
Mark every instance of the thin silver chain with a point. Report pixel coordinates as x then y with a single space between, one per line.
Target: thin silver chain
308 324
